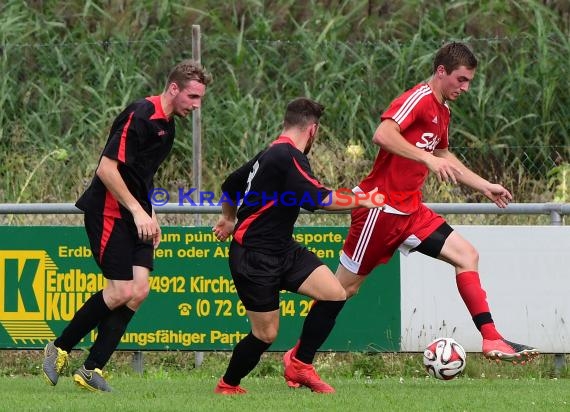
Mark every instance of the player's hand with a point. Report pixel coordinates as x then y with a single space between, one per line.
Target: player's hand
371 199
156 237
444 170
497 194
147 227
224 228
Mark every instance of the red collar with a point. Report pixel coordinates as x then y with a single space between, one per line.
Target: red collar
158 110
283 139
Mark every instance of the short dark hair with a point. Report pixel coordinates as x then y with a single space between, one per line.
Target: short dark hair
188 70
454 55
301 112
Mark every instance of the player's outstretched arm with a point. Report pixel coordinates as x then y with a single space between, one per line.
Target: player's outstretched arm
390 139
492 191
345 199
497 194
156 237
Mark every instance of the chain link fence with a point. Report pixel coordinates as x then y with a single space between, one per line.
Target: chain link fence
55 139
173 214
80 86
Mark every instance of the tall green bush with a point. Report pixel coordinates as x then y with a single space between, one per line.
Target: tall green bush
68 67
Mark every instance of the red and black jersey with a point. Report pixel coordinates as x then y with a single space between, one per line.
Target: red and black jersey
141 137
273 186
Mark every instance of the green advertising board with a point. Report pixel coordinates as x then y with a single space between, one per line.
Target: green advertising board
47 273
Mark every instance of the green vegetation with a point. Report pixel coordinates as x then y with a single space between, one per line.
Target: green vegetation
364 382
191 393
357 365
70 66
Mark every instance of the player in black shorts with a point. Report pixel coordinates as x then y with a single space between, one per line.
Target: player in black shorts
121 224
264 259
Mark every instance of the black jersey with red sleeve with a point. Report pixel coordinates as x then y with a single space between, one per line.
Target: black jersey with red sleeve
141 137
273 186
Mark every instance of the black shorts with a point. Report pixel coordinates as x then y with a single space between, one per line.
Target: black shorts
432 245
116 246
259 277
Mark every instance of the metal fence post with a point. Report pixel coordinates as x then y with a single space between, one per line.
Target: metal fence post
555 218
138 361
559 358
197 150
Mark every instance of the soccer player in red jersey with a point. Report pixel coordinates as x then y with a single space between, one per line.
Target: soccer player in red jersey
121 224
413 140
265 259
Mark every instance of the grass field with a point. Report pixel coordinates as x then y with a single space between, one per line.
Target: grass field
364 382
193 392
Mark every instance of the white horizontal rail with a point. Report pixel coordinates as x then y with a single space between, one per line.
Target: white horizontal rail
175 208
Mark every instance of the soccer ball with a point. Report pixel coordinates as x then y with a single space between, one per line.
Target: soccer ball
444 358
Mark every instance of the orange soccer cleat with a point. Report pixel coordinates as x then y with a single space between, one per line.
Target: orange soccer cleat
223 388
502 349
298 374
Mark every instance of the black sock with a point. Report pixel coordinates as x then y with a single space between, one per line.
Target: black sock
110 331
245 357
317 328
83 322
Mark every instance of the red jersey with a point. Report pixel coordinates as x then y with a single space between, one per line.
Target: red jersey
423 122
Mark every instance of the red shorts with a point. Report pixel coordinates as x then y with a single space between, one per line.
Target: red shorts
374 236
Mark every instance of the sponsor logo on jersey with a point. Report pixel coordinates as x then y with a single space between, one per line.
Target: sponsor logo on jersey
428 142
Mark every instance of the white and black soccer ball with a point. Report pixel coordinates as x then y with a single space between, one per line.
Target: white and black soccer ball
444 358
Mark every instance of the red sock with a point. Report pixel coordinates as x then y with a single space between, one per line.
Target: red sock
475 299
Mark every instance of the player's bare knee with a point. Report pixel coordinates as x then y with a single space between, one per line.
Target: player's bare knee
117 298
267 335
351 290
340 294
471 255
125 296
138 297
141 292
476 255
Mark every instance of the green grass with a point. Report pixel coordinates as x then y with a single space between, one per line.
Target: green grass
364 381
193 392
348 365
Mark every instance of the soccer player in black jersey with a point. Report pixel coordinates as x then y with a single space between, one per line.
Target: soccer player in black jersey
265 259
121 224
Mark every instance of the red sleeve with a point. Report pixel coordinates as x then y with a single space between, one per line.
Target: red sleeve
408 106
123 142
310 193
